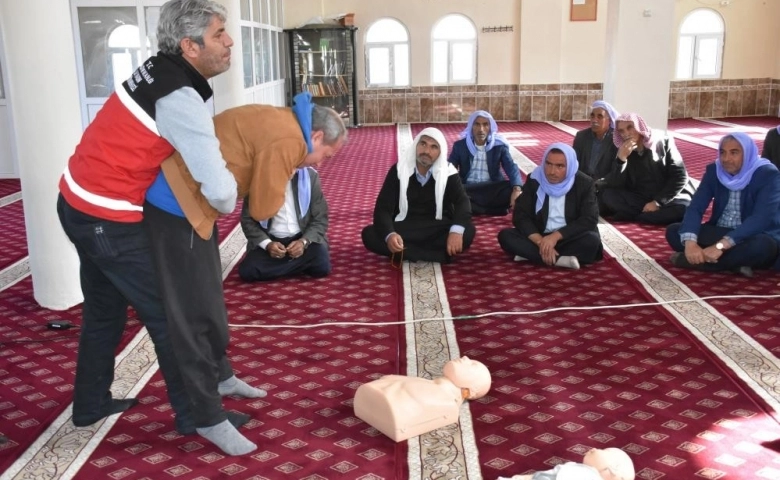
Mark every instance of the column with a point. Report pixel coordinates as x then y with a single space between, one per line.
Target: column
47 127
640 57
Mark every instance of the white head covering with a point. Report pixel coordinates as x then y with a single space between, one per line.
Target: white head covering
440 170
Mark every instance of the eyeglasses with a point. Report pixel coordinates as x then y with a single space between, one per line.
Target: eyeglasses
400 263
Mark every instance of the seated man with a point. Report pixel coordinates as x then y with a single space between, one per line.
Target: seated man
477 156
771 149
402 407
422 212
555 219
648 182
744 228
594 146
293 241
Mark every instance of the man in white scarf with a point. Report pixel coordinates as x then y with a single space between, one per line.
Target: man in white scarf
422 212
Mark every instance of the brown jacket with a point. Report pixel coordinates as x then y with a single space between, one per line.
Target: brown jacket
262 146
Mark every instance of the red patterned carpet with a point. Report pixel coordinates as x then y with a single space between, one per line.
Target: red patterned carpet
305 428
562 381
713 132
9 186
761 122
13 238
37 365
567 381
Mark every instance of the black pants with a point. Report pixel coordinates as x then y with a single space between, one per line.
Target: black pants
623 205
190 276
489 198
758 251
258 265
586 247
423 241
116 271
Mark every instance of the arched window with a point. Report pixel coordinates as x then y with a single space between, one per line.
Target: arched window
700 50
387 54
454 54
125 50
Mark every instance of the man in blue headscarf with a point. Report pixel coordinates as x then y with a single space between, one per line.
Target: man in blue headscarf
744 229
556 215
594 147
479 156
294 241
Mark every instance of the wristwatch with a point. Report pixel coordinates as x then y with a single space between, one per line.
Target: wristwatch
305 242
720 246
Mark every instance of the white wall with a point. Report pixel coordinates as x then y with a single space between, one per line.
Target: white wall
497 63
752 35
47 127
545 47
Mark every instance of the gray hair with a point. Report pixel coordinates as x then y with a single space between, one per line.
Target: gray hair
328 121
180 19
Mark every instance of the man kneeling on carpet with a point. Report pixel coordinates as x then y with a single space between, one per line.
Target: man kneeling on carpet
402 407
556 215
422 212
597 464
744 229
293 241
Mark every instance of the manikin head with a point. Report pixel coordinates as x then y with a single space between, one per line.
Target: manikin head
471 374
611 463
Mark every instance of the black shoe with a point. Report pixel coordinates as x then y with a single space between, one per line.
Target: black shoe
678 260
118 405
237 419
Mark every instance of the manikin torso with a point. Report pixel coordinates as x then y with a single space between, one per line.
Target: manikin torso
403 407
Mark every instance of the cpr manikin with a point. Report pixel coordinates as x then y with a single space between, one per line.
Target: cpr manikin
597 464
402 407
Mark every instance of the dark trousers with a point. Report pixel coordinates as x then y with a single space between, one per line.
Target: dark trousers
758 251
623 205
258 265
423 241
116 271
586 246
190 277
489 198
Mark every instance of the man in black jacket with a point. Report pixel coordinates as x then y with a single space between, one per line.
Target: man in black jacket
648 182
556 215
422 212
596 151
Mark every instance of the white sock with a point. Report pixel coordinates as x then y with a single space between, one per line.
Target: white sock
234 386
568 261
226 437
518 258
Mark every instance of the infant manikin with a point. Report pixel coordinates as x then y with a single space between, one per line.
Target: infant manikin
597 464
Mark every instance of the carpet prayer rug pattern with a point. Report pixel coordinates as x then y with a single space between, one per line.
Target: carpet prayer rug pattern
13 239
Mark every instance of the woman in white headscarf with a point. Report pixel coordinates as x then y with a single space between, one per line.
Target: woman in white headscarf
422 212
556 215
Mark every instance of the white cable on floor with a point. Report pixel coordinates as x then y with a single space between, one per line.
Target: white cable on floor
492 314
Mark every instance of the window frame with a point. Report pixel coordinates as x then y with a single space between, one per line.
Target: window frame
266 66
450 42
390 46
696 38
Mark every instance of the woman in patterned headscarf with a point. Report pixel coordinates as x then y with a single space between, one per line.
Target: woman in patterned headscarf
648 182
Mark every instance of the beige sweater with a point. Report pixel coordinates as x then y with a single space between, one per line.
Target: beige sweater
262 146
